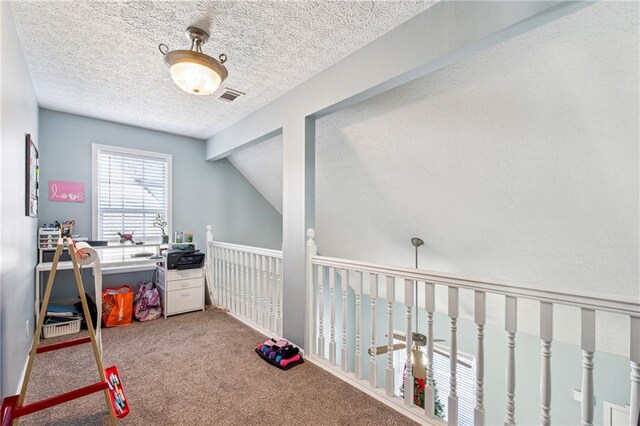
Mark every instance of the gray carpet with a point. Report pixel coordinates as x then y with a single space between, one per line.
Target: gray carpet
198 369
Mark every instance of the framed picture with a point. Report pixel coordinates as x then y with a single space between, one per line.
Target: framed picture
32 190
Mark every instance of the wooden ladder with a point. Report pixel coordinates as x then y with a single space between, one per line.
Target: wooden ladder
13 406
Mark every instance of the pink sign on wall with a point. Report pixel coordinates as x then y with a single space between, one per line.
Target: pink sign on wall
69 192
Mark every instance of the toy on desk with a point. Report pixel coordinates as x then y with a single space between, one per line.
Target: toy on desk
126 238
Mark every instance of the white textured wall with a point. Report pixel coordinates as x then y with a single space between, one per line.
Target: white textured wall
17 231
520 164
262 166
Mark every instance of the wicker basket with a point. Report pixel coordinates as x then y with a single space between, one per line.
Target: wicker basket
61 328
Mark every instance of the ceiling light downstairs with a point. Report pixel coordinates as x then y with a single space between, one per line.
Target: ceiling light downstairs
192 70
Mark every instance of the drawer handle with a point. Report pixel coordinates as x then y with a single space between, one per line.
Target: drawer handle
185 294
185 284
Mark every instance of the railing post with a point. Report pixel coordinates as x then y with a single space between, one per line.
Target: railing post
452 412
320 342
408 370
332 304
373 291
357 284
312 250
588 343
389 382
634 360
344 353
430 307
546 335
480 314
510 326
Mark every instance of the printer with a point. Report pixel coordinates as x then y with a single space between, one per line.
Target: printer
183 259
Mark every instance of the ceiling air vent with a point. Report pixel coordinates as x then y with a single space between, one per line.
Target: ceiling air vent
230 95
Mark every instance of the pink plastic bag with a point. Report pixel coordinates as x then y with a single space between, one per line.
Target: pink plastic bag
147 303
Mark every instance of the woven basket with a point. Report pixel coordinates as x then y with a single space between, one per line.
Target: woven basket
61 328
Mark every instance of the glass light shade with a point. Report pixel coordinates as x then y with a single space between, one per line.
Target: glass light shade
195 72
195 78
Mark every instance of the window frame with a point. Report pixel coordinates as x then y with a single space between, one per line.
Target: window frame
95 187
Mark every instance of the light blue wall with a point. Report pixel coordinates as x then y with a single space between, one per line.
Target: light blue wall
17 232
204 192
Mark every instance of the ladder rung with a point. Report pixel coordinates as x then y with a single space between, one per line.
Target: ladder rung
66 344
59 399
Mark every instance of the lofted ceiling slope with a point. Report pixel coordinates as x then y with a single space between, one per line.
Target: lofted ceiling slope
101 59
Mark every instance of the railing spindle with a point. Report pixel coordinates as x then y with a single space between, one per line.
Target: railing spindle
357 284
320 346
344 361
511 324
278 295
429 392
236 262
480 315
452 411
223 277
634 360
247 282
373 292
219 276
390 370
270 294
242 283
588 344
408 370
332 304
265 292
546 335
252 285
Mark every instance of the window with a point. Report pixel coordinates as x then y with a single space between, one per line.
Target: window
130 188
466 380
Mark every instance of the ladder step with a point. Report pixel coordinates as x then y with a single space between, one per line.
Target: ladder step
59 399
66 344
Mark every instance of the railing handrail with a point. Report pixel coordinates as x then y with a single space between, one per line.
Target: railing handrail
248 249
613 304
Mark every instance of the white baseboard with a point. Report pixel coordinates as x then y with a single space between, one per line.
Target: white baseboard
253 325
414 413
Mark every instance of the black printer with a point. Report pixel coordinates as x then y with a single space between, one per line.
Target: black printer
183 259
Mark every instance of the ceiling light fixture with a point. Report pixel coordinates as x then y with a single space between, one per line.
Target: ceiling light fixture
193 71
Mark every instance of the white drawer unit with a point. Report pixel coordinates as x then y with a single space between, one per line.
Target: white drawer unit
181 290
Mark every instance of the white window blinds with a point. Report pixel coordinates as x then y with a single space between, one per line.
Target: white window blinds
466 376
132 188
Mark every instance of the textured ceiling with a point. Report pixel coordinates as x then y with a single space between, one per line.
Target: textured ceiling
101 59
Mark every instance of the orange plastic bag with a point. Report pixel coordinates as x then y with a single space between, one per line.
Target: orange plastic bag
117 306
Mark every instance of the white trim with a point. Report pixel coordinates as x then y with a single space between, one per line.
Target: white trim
248 249
248 323
109 270
95 149
587 300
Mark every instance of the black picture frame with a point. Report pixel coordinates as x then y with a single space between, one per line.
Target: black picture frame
32 177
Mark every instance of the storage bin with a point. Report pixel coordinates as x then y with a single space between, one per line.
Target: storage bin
61 328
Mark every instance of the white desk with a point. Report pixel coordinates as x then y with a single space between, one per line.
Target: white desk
113 259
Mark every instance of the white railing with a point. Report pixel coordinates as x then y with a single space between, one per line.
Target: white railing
246 281
322 327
